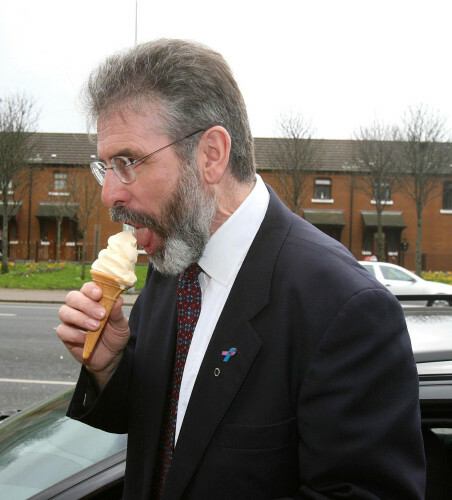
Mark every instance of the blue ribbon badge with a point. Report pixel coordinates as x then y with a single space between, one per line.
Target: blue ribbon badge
227 354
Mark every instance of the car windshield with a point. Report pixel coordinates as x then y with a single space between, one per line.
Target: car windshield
42 447
370 268
391 273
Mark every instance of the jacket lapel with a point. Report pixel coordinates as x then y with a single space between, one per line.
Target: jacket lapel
218 382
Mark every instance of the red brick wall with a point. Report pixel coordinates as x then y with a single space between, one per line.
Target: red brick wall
437 227
437 235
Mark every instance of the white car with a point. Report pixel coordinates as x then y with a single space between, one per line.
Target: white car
402 282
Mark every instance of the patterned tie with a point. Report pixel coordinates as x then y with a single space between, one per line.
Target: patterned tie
188 309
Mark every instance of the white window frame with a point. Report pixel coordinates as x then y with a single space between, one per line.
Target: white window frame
322 181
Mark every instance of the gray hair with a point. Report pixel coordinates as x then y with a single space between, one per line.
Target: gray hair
190 87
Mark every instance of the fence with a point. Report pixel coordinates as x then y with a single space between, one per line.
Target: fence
47 251
430 262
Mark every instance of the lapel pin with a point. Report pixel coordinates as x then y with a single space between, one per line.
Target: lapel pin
227 354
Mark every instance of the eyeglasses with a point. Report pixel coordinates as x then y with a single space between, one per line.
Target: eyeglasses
124 167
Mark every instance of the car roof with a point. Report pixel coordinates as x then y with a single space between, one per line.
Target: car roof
379 263
43 451
430 330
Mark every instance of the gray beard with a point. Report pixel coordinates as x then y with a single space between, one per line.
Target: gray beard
185 224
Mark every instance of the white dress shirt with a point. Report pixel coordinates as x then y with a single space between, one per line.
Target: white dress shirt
221 261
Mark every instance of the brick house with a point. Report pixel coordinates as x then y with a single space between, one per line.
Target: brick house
332 204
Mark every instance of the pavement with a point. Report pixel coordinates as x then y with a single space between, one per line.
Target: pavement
48 296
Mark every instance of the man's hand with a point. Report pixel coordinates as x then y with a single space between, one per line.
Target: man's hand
83 312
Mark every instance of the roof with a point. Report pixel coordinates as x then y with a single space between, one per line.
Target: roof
81 149
333 155
389 219
52 209
64 149
325 217
429 330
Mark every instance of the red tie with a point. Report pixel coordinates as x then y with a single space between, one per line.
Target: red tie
188 308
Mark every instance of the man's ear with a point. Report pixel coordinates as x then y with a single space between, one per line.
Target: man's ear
213 154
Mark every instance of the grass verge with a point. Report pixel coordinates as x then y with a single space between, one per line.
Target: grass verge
53 276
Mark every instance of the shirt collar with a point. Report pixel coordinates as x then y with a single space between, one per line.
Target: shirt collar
228 246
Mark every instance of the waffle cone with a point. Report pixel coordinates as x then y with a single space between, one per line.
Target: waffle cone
112 286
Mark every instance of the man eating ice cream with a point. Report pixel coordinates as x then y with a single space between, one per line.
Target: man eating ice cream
260 360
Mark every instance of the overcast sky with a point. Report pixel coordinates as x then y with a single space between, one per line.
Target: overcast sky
340 63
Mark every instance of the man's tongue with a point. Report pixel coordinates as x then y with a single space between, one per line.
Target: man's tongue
147 239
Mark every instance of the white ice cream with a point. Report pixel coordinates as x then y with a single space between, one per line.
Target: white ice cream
119 258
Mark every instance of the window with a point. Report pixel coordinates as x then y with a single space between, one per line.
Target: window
392 239
385 192
370 268
392 273
72 230
44 229
368 241
59 181
322 189
333 231
447 195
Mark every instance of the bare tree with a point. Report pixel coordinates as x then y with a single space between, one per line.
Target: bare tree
18 121
295 155
86 193
423 159
375 155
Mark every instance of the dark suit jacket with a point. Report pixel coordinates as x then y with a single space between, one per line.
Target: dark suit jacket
320 401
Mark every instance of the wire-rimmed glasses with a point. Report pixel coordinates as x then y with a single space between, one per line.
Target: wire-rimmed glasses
124 167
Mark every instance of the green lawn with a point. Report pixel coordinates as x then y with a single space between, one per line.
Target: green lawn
53 276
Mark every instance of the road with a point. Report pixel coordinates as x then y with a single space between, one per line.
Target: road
33 361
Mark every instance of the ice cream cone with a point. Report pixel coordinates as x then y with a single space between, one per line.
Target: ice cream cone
112 286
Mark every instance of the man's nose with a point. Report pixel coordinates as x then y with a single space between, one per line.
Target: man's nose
113 190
